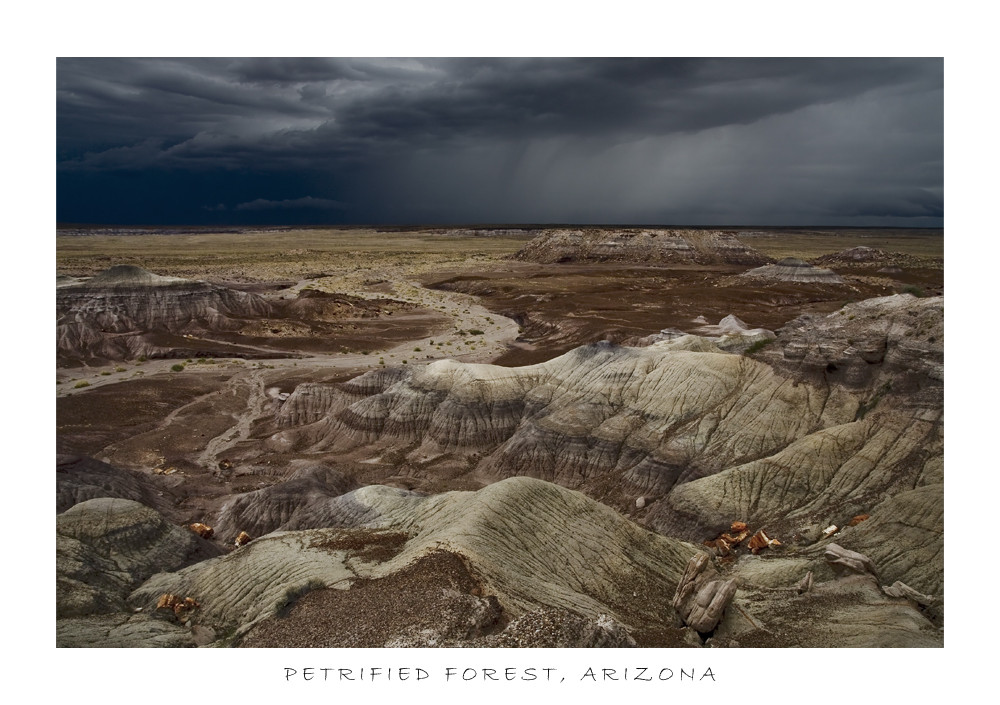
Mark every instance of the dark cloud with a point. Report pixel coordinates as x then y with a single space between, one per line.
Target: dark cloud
451 140
261 204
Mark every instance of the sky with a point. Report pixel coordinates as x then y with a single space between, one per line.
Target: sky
838 142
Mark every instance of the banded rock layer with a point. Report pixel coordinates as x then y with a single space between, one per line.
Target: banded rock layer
653 416
641 247
840 416
125 311
791 269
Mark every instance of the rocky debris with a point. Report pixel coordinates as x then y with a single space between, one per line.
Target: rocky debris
830 531
791 269
242 539
428 602
561 629
640 503
640 246
805 585
701 597
203 530
873 256
845 562
179 607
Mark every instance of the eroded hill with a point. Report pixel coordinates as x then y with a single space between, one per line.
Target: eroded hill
641 246
127 313
704 484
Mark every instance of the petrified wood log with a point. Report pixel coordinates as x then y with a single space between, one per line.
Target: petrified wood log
845 562
702 597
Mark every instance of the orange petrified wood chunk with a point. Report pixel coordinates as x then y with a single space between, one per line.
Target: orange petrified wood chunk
181 607
760 541
203 530
738 531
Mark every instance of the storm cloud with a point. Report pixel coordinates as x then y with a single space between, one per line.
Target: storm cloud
389 141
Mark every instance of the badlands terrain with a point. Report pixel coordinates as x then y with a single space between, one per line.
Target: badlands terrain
510 437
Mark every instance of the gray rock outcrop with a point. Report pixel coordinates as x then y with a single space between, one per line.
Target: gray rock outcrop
791 269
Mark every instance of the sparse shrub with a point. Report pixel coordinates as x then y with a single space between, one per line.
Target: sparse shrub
106 373
120 369
365 352
475 331
81 384
141 358
758 346
915 290
404 362
177 368
189 360
416 349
